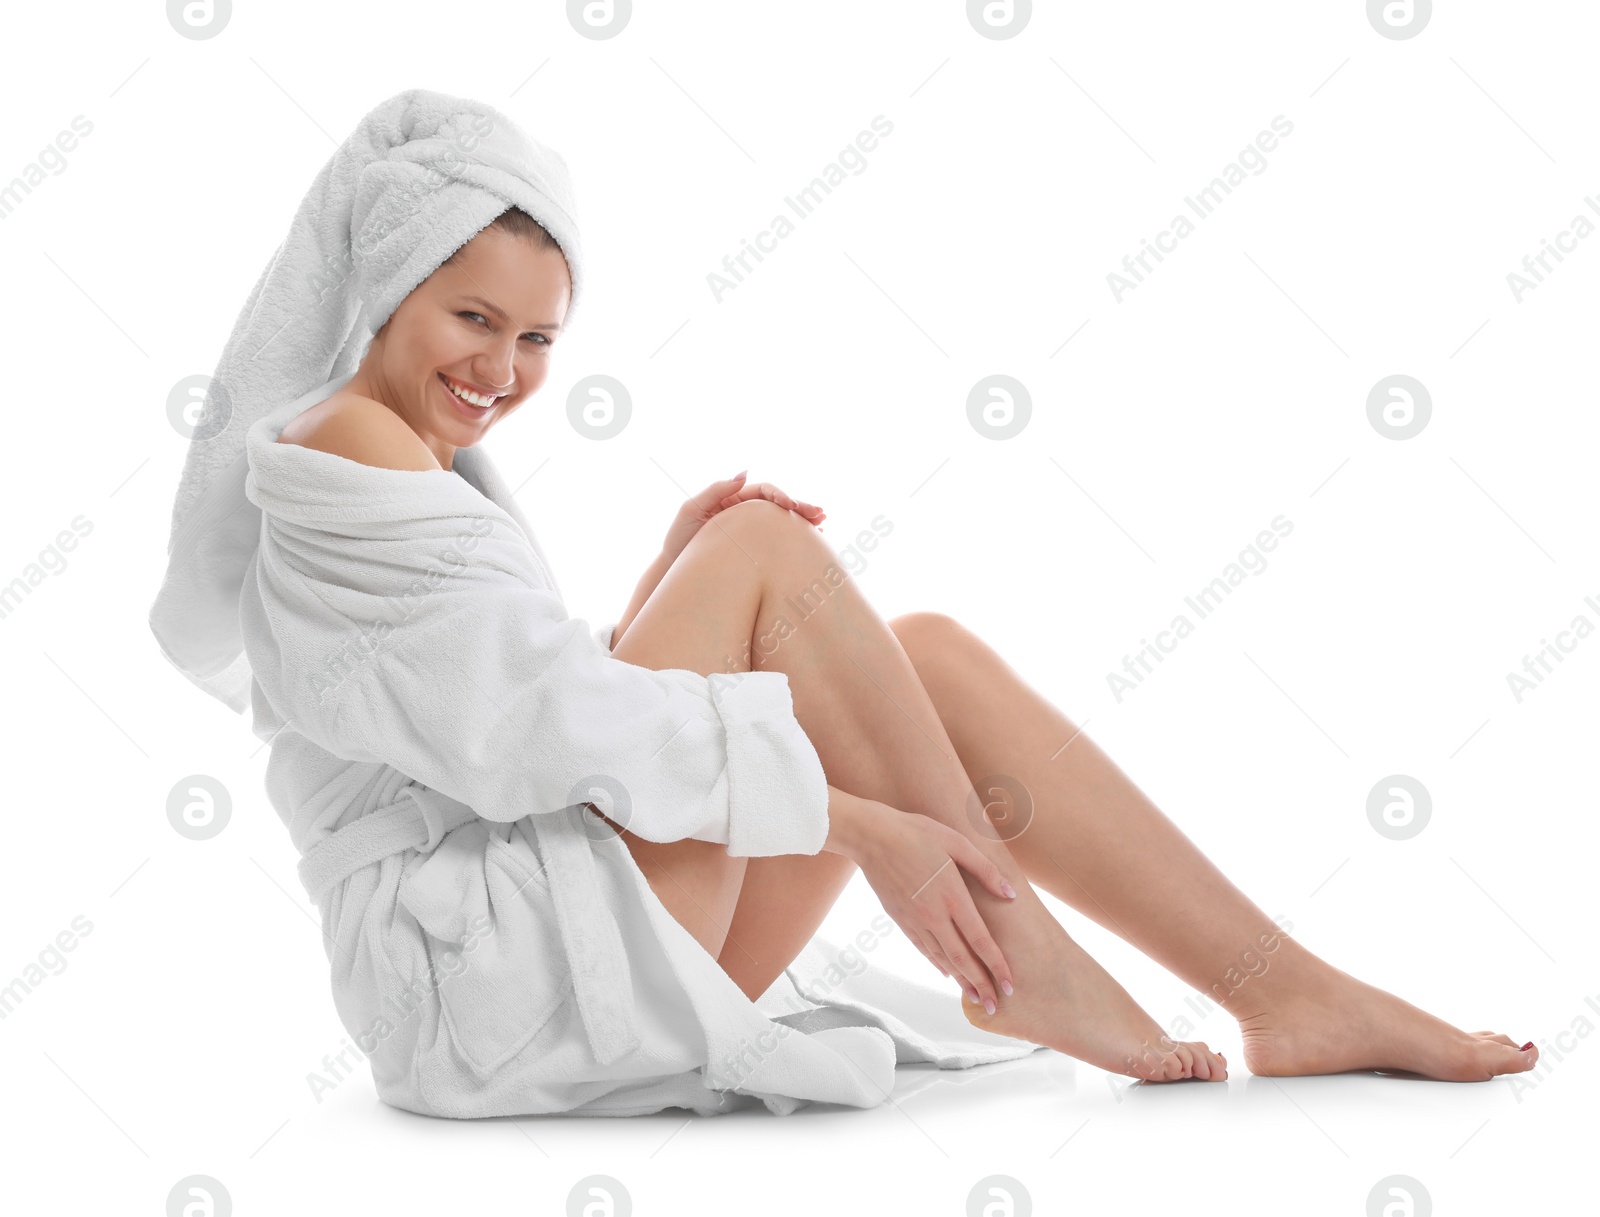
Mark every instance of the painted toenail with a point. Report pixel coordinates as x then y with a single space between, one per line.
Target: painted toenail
1526 1046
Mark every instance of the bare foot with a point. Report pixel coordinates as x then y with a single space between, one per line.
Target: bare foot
1064 1000
1338 1024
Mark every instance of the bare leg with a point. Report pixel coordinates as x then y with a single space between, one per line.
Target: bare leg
782 902
759 587
1092 839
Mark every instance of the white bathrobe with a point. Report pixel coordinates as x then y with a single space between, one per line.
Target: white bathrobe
438 723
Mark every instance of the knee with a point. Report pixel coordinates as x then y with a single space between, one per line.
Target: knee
926 633
761 513
751 526
764 522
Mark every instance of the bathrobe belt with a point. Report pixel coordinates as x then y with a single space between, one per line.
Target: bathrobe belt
420 817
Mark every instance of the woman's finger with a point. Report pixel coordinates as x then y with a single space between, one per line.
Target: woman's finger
930 949
977 863
708 499
970 970
945 966
966 963
806 511
766 490
973 929
917 940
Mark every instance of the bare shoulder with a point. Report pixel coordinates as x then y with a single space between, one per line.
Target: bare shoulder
362 430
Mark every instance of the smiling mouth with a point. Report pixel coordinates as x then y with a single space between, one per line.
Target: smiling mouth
479 402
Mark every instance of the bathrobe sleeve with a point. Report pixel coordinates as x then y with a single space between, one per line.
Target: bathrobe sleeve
500 700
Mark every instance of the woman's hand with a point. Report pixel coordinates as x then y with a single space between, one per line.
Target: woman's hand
911 862
719 496
766 490
691 517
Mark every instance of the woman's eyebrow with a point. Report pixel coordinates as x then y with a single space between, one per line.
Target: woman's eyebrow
500 313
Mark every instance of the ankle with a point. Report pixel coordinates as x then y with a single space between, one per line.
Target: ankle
1291 976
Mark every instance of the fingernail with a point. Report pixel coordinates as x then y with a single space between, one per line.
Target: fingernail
740 474
988 1005
972 996
1006 985
1526 1046
1008 890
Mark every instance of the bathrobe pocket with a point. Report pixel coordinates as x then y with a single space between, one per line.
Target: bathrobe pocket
492 939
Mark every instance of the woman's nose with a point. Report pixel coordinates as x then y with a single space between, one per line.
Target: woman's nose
494 371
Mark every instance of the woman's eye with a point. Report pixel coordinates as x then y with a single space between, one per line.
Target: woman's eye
543 341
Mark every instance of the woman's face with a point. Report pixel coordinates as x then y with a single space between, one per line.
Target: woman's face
484 322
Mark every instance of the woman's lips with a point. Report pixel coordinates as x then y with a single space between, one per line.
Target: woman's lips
465 408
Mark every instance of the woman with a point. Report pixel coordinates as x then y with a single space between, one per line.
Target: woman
905 715
903 718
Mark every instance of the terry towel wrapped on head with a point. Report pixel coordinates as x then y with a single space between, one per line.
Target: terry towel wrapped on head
439 723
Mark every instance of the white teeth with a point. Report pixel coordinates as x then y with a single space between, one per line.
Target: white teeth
467 395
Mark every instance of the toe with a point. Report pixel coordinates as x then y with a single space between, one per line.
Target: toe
1524 1059
1497 1038
1495 1058
1216 1069
1219 1066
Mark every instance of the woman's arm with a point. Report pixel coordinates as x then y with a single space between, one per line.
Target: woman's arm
906 860
849 823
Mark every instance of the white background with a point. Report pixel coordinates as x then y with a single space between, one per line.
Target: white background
1166 431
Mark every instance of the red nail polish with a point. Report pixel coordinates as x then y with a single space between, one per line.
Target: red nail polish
1526 1046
